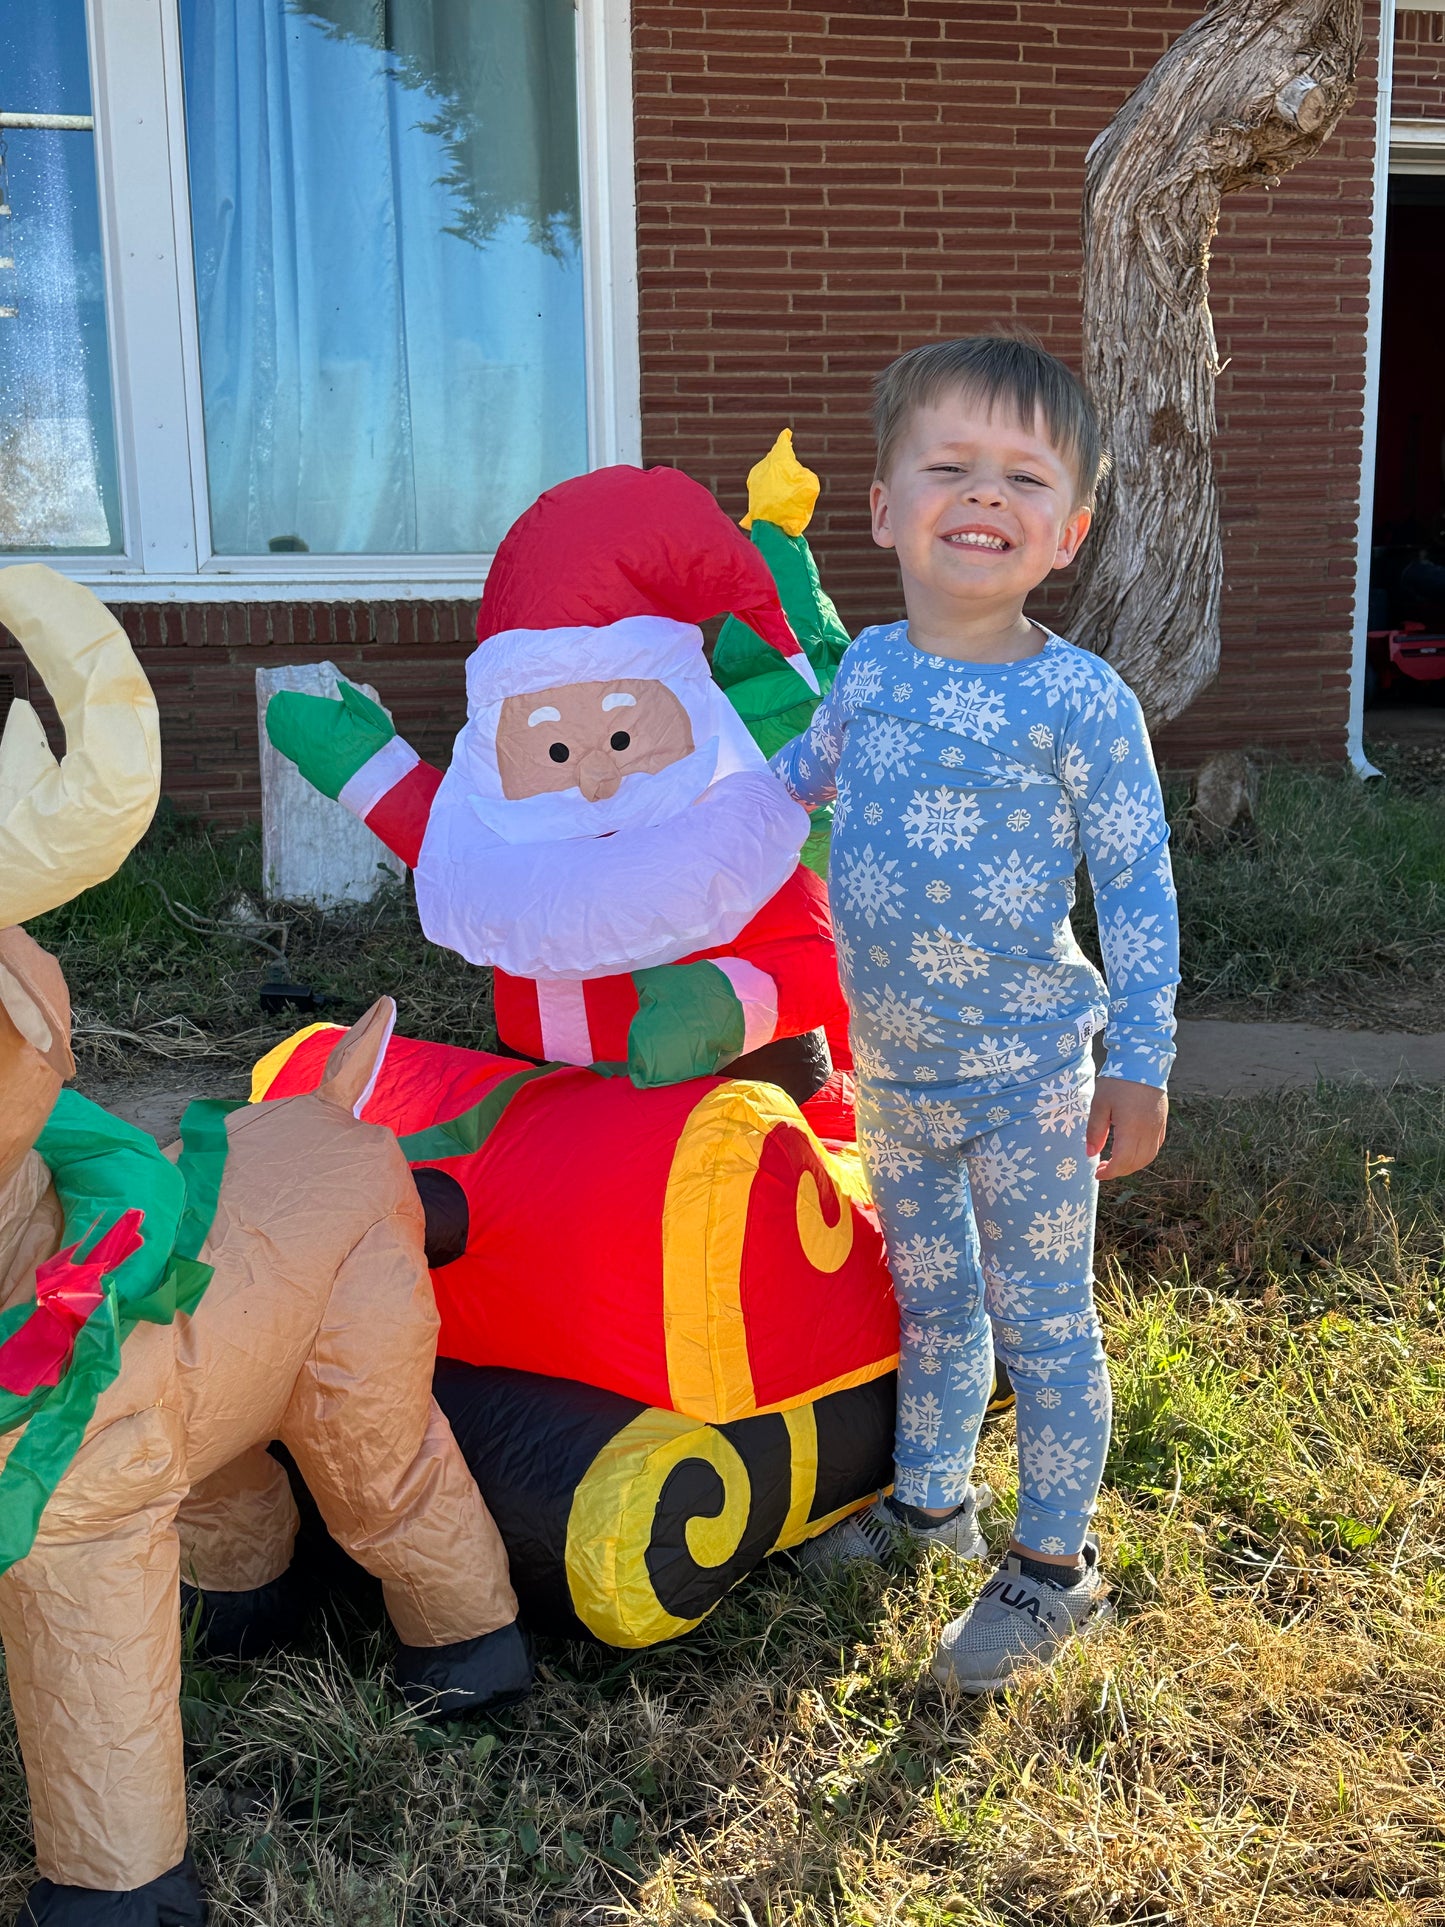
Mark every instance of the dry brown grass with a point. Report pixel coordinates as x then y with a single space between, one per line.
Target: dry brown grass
1258 1742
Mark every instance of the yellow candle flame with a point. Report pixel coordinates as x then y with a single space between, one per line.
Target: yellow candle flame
781 490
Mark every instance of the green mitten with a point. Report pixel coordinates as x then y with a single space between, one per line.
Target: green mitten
328 739
689 1023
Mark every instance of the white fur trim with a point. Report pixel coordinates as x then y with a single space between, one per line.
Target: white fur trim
566 1035
758 995
378 776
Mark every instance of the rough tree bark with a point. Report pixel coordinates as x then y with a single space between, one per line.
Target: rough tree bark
1245 94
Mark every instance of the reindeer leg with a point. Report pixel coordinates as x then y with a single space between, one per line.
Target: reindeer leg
238 1533
93 1650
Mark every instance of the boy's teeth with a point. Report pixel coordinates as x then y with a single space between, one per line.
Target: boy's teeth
979 541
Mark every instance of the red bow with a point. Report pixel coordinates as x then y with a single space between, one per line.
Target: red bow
67 1291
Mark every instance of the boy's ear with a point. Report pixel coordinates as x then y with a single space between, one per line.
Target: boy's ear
878 506
1071 537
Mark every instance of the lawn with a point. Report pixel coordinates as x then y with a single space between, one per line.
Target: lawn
1258 1742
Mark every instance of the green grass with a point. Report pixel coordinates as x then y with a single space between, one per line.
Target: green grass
1258 1740
1333 904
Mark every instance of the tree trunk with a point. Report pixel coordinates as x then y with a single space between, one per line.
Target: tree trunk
1247 92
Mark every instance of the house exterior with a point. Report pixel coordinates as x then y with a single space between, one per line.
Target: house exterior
293 319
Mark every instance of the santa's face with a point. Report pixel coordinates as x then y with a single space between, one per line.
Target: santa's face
588 736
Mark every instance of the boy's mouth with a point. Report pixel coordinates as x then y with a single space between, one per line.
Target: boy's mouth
978 537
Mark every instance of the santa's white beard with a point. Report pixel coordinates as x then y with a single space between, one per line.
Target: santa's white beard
595 906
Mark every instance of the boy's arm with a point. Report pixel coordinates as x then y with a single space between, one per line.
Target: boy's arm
1108 768
808 766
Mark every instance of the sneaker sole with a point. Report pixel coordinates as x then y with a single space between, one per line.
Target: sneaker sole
979 1688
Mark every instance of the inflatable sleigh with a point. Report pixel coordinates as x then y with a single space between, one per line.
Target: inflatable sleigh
668 1333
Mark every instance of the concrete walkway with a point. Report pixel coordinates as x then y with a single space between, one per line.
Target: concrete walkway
1221 1059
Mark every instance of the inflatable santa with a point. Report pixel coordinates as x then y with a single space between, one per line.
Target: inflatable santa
668 925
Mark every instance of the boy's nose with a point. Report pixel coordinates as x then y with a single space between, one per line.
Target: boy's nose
983 488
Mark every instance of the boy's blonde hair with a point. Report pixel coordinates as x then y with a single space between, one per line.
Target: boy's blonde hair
998 370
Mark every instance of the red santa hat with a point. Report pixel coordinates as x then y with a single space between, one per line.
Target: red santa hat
625 542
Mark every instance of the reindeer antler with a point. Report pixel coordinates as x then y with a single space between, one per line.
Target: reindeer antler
65 826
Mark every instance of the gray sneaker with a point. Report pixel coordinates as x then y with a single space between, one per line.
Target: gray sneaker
877 1534
1016 1623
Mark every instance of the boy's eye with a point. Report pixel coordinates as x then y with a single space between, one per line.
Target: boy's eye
1037 481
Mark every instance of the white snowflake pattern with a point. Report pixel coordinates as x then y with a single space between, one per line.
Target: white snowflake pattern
1129 945
842 806
923 1263
902 691
1063 823
1058 1234
942 959
1125 823
907 1207
1162 1004
951 756
1019 819
1066 1167
1164 874
996 1171
889 1157
825 741
1072 676
1011 892
901 1020
927 1347
991 1230
1067 1325
885 745
1053 1543
998 1115
1011 1335
873 815
910 1484
1008 1290
1076 772
1037 994
1049 1463
954 1477
920 1418
1050 1398
926 1074
938 891
941 820
1119 748
1041 736
969 1014
870 884
968 709
938 1118
1098 1397
996 1061
869 1061
864 684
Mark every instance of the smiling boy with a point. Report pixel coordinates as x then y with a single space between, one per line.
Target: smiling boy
975 758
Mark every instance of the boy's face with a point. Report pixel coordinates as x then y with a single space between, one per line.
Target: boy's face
979 507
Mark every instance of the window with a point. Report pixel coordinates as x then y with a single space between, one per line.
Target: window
301 296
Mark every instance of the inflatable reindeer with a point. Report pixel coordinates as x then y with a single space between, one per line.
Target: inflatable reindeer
162 1318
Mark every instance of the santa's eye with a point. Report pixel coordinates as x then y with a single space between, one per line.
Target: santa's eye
620 739
559 752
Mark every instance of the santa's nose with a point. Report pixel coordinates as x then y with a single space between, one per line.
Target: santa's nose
597 775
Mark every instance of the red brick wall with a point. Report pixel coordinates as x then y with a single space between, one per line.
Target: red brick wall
202 660
821 187
1418 92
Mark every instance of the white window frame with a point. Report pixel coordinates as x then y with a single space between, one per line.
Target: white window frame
135 59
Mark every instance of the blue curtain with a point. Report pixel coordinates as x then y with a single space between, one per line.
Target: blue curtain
58 486
384 206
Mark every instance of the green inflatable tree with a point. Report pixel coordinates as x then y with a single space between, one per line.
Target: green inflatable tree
781 497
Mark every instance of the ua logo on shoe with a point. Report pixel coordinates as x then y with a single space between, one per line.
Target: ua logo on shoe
1021 1601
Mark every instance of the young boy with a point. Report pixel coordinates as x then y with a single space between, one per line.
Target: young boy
974 757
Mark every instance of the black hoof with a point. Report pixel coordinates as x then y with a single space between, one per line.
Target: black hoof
174 1899
241 1625
473 1676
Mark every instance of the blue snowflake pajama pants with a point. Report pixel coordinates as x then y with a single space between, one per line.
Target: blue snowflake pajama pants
987 1201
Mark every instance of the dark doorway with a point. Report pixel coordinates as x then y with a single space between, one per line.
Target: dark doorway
1407 574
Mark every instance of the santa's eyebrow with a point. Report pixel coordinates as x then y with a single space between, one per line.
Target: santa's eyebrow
546 714
619 699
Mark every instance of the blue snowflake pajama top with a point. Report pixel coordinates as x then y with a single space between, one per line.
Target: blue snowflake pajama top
965 795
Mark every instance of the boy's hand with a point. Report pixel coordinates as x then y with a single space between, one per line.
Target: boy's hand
1136 1114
